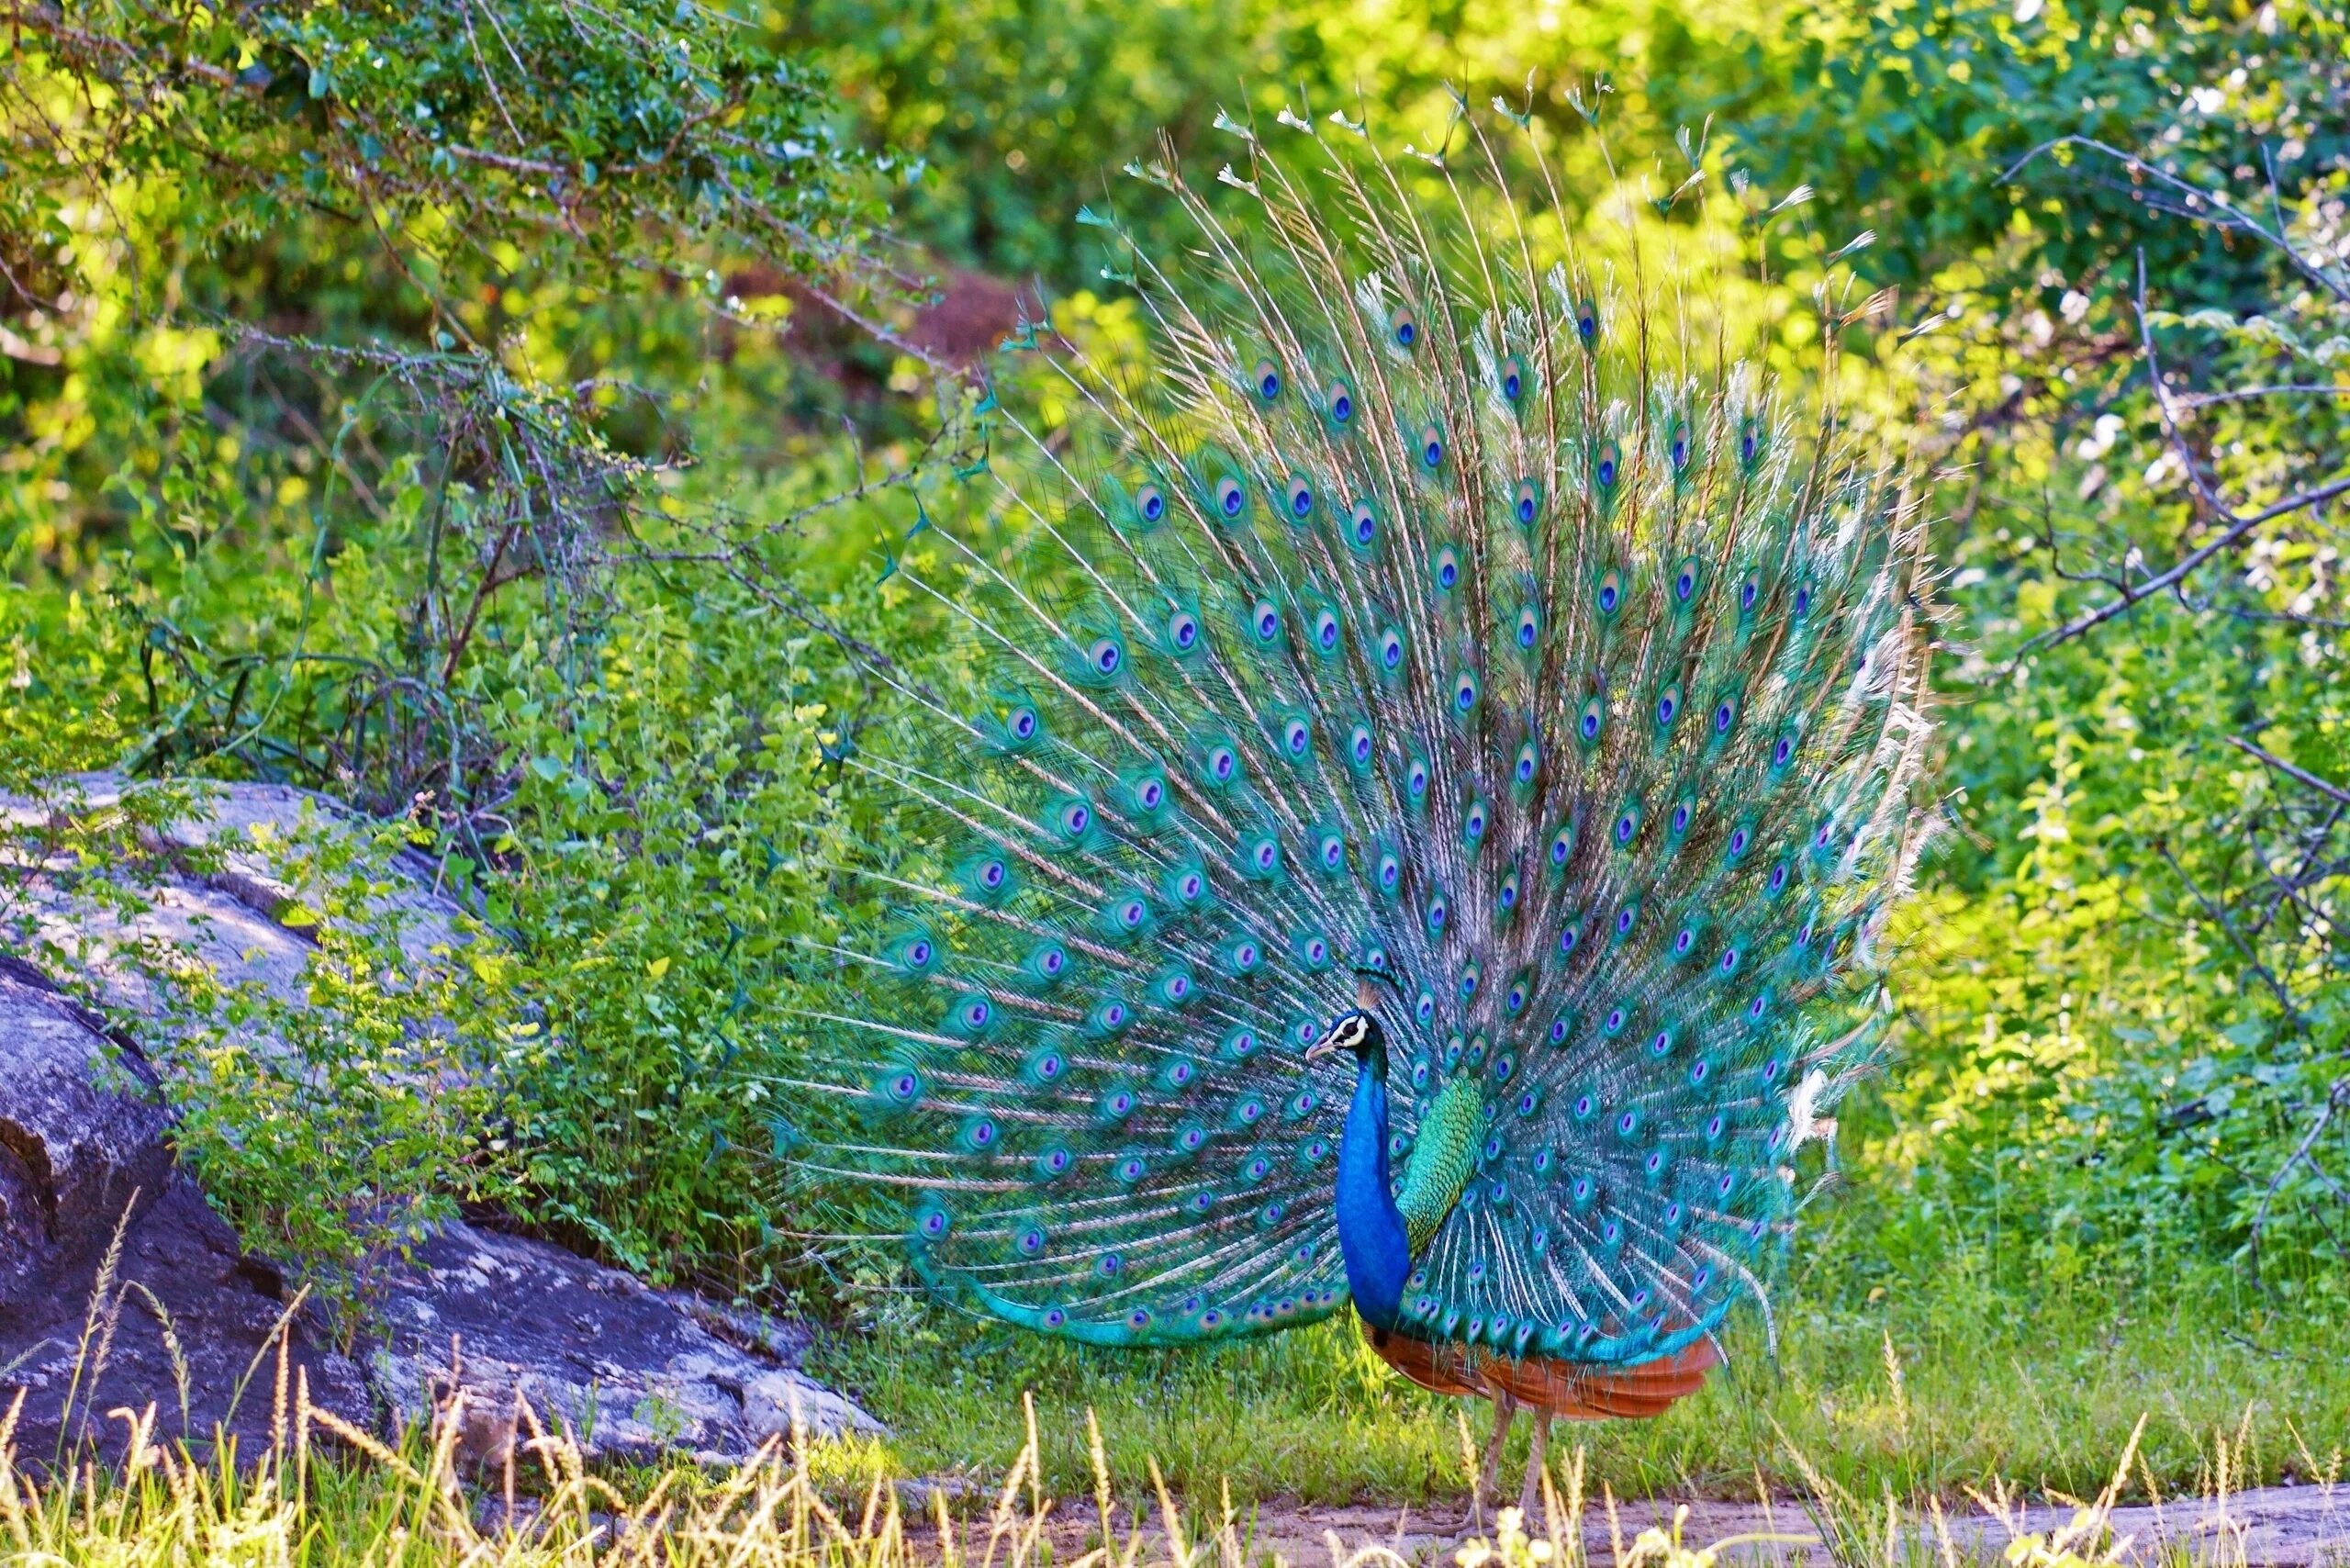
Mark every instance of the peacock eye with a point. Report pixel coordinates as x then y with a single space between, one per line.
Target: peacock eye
1301 499
1529 627
1684 579
1431 447
1150 503
1391 649
1405 325
1341 402
1023 723
1364 523
1267 380
1668 703
1604 470
1183 631
1512 378
1106 655
1325 631
1448 568
1528 503
1268 622
1230 498
1587 322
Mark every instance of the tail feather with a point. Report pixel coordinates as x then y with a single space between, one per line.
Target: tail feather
1476 610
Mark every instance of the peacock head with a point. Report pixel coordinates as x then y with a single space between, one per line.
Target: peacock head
1356 1031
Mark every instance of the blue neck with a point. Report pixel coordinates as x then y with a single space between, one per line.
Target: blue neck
1370 1229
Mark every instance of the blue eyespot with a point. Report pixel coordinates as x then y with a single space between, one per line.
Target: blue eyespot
1341 402
1267 380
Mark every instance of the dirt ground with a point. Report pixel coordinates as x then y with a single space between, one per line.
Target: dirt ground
2277 1526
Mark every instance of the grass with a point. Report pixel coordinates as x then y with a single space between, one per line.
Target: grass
1911 1387
1884 1413
325 1495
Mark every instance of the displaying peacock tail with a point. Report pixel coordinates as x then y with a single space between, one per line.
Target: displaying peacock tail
1423 601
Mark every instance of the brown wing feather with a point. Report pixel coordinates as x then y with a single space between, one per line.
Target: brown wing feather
1566 1390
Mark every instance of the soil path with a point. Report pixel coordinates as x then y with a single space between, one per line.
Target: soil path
2275 1527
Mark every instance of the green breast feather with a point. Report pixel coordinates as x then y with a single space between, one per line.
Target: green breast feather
1443 1155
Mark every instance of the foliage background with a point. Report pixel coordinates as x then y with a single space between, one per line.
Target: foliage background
493 412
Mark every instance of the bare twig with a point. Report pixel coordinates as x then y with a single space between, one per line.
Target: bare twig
2332 791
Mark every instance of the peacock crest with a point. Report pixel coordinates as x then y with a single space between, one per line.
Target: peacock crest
1425 601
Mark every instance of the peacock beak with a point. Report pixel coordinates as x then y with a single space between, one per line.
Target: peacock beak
1322 1047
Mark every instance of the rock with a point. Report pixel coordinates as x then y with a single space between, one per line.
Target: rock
81 1131
189 1323
631 1373
186 1322
776 1404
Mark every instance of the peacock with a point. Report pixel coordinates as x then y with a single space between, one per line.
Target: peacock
1434 736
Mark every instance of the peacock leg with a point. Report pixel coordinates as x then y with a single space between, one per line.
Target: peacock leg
1536 1459
1504 1408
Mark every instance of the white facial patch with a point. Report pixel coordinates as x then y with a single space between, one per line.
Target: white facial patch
1345 1034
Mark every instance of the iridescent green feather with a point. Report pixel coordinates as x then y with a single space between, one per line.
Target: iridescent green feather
1467 609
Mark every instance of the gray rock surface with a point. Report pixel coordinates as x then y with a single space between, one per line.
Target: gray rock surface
187 1321
80 1133
630 1372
